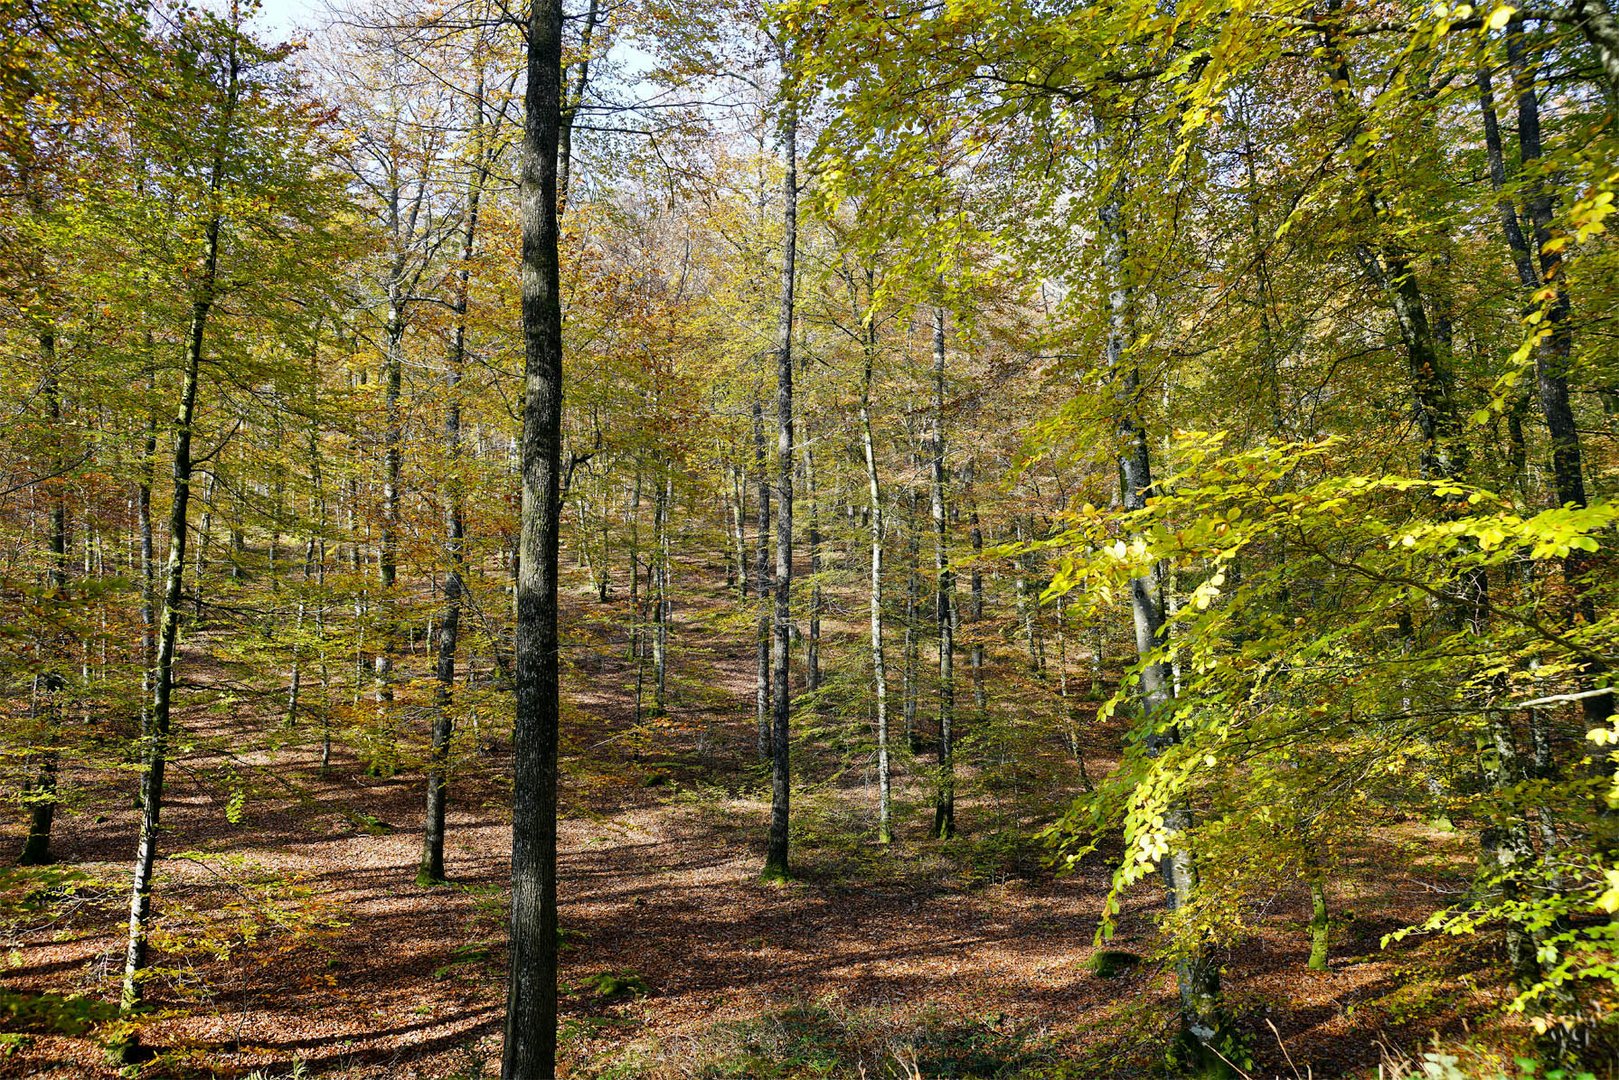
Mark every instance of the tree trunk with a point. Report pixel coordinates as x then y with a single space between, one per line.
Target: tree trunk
739 518
660 592
638 592
1599 27
1197 975
879 672
569 110
909 691
385 754
944 807
761 685
776 866
431 869
1554 354
975 603
40 791
157 735
812 642
531 1000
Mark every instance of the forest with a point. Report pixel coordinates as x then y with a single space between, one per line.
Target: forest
1043 539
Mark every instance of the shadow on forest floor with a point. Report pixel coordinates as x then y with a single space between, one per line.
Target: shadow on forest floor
297 934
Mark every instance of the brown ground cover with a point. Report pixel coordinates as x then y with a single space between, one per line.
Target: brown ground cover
297 937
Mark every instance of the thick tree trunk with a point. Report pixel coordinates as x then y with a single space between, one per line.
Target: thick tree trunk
776 865
944 806
1597 24
1506 850
531 1000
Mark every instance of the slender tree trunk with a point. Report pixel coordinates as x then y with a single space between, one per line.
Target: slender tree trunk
739 518
573 99
1554 355
944 808
1320 924
157 733
384 760
638 593
205 532
531 1001
812 647
879 672
660 593
156 755
431 869
910 671
975 603
761 584
1025 603
1197 975
40 792
776 865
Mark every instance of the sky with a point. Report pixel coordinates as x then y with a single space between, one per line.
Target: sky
285 15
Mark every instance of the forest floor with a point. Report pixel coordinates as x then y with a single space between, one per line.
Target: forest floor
294 936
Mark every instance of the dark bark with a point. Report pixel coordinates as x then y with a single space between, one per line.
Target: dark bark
156 735
40 791
1554 352
660 592
431 869
1445 453
531 1000
944 805
570 106
776 865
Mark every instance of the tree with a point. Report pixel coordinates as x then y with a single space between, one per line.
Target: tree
531 1001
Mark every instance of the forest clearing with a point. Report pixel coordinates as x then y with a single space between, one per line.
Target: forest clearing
809 538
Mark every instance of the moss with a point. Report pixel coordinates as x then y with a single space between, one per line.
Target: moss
1111 963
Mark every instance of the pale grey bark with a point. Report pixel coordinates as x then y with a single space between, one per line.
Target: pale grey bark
879 667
